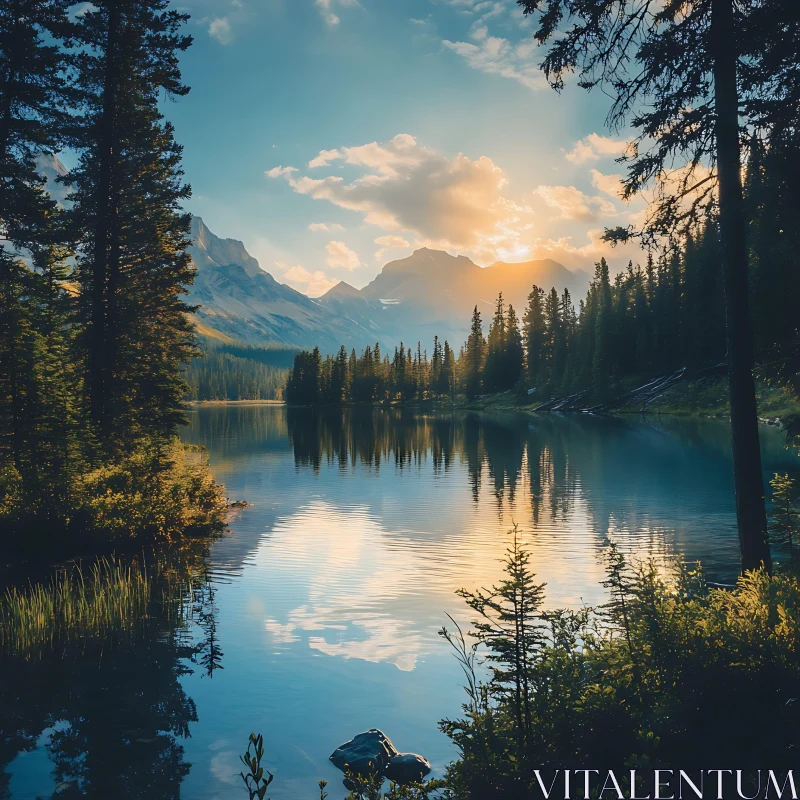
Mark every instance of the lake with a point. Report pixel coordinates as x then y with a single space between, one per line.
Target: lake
318 613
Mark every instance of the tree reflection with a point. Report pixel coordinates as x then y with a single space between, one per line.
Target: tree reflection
114 707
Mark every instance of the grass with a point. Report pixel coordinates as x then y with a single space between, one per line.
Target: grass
111 596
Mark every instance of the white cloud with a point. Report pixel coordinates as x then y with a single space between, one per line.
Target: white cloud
574 204
280 172
340 255
81 9
392 241
594 147
325 227
326 9
406 186
313 284
420 197
220 29
608 184
576 256
498 56
324 158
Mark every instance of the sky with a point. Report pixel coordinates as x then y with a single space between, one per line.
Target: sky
334 136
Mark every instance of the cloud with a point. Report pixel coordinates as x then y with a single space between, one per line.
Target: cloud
81 9
404 186
392 241
594 147
281 172
583 256
220 29
313 284
574 204
326 9
340 255
608 184
325 227
324 158
498 56
420 197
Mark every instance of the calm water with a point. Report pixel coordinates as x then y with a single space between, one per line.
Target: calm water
326 598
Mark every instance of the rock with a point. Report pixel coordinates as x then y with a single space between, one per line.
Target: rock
407 768
367 753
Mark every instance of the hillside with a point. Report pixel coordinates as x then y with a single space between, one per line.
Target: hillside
242 301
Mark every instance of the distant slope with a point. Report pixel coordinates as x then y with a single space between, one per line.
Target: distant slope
240 300
433 293
429 293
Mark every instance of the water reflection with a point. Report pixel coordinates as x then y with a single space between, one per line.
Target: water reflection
327 595
103 713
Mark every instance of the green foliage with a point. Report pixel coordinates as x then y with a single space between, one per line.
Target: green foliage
156 493
371 378
255 780
93 327
221 375
364 787
109 598
785 516
648 681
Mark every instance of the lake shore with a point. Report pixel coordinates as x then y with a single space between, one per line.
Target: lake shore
236 403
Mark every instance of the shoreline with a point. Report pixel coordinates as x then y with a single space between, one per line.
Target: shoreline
194 403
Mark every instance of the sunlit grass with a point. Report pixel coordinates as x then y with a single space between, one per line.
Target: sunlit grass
110 596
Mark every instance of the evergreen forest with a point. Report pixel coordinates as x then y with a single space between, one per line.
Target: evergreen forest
652 319
94 327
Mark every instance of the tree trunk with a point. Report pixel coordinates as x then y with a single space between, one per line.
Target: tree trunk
748 481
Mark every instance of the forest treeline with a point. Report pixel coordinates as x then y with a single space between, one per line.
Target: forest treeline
238 372
649 319
93 323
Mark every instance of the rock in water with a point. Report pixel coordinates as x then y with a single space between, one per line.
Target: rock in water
407 768
368 753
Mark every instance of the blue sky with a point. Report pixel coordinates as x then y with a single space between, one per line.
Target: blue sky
332 136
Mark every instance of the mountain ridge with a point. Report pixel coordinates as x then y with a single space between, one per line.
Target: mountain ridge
427 293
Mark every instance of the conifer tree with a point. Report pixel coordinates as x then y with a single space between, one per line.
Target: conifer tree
535 333
33 100
447 378
495 349
514 353
690 76
133 265
474 356
601 356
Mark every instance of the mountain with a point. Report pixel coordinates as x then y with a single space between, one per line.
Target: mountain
50 168
429 293
240 300
432 293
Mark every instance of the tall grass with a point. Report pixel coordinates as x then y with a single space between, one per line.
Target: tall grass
111 596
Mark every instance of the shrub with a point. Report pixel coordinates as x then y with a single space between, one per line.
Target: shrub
668 673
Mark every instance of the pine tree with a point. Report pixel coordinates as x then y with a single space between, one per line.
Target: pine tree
447 378
690 77
133 266
509 624
535 333
33 102
495 349
514 352
602 356
474 356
